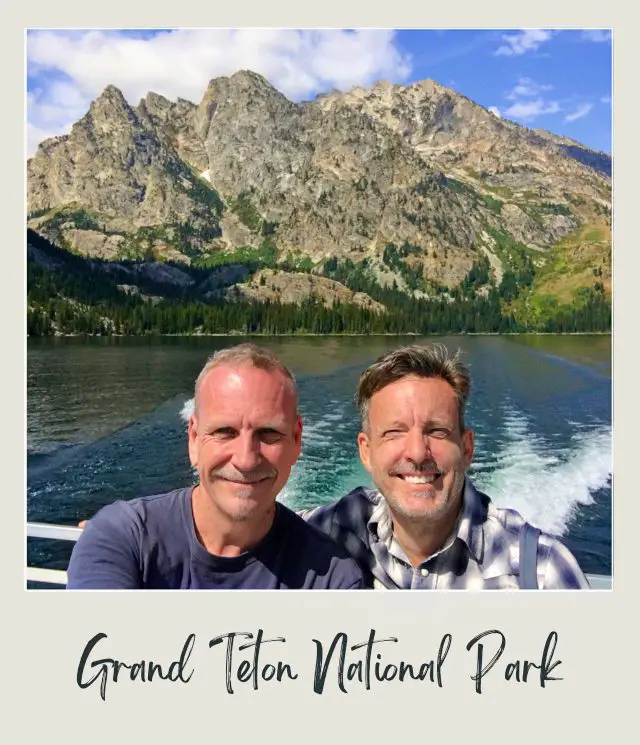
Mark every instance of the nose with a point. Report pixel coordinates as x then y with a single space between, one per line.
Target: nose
417 448
246 452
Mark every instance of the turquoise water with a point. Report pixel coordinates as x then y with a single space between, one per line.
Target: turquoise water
104 423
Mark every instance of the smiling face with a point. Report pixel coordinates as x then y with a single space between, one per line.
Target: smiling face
244 437
414 449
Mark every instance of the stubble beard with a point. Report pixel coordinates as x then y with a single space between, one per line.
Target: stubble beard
249 504
429 510
244 504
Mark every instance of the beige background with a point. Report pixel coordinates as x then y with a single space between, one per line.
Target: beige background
44 633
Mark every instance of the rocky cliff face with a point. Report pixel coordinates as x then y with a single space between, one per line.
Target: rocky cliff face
291 287
454 134
94 189
420 168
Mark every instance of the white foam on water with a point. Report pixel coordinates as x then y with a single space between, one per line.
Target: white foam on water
334 416
545 484
206 175
323 455
187 410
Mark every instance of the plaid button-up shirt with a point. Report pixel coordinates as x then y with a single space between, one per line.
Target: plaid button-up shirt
482 553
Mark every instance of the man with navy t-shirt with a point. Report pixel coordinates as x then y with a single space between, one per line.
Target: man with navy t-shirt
228 531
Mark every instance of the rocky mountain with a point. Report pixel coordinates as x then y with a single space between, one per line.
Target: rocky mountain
416 183
291 287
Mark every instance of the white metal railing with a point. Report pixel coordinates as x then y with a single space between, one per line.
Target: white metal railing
71 533
48 530
599 581
47 576
56 532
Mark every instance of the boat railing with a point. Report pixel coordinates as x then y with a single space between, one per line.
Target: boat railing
54 532
72 533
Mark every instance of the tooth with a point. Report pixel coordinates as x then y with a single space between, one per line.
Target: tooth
419 479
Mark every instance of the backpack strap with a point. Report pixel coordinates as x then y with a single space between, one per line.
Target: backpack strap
528 572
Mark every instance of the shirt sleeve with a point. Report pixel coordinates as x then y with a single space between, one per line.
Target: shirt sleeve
320 517
107 555
347 576
560 570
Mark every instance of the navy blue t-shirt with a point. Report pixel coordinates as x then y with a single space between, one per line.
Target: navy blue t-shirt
151 543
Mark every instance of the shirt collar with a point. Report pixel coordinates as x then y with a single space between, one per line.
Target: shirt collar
380 524
468 528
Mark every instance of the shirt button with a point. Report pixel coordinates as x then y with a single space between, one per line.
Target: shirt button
424 572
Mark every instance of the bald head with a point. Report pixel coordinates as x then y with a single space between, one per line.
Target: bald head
246 355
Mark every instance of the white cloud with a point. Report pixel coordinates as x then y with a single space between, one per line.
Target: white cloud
529 110
495 111
605 99
527 88
180 63
529 101
581 111
599 35
528 40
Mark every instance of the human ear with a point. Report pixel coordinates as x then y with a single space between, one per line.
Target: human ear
468 446
297 436
364 450
193 440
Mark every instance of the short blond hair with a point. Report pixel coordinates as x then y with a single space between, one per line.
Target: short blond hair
246 354
428 361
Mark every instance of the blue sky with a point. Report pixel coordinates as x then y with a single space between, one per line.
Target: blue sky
554 80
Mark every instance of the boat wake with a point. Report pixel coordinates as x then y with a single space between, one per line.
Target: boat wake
543 480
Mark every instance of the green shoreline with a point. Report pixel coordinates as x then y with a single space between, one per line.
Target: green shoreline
303 334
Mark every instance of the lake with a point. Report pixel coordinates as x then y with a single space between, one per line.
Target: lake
103 423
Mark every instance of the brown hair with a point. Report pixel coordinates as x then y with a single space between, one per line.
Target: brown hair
246 354
429 361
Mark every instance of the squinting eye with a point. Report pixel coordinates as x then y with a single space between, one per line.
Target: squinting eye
439 433
391 432
270 436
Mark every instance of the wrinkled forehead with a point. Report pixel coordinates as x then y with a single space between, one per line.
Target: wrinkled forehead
415 397
247 386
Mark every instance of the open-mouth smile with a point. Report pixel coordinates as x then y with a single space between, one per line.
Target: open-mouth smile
426 478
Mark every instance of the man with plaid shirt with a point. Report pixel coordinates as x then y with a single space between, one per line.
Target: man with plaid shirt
427 527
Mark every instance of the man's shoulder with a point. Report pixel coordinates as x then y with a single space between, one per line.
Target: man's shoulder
142 508
503 518
510 523
557 568
351 512
505 525
316 551
147 516
310 531
113 548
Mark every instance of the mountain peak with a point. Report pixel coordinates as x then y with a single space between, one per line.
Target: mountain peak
242 80
113 94
157 99
155 104
109 103
250 75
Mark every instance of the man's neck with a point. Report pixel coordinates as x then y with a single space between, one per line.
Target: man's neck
419 539
222 536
